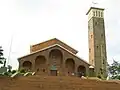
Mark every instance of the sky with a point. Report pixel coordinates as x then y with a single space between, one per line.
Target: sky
27 22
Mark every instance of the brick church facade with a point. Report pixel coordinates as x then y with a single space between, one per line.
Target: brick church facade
54 57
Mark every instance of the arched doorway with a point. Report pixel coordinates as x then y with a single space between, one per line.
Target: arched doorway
40 63
27 65
70 66
81 71
55 60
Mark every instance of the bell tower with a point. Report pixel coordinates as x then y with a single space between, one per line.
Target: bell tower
97 41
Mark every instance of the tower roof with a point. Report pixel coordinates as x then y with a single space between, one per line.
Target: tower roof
94 8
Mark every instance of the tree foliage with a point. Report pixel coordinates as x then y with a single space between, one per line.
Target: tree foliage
1 56
9 68
114 70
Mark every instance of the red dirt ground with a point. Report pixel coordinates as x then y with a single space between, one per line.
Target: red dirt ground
55 83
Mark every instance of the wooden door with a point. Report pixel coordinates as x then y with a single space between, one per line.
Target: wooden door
54 72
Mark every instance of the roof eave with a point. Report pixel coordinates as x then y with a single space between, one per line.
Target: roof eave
94 8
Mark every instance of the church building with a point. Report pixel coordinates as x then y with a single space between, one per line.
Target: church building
56 58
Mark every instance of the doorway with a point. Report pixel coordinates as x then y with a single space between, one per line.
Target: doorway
53 72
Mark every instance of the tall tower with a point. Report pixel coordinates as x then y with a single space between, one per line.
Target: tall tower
97 41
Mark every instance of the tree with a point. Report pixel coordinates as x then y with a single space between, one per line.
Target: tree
9 68
114 70
1 56
13 71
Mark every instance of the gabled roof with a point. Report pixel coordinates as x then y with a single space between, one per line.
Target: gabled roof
51 47
50 42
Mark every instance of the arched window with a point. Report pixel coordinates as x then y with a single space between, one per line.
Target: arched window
40 62
81 70
27 65
70 65
56 57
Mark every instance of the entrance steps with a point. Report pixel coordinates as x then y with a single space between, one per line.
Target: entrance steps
38 82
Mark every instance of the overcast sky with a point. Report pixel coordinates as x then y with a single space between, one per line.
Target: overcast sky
28 22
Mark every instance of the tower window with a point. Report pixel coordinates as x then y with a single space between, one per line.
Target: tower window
91 36
96 23
101 70
97 46
102 46
96 13
92 61
103 61
89 50
88 27
101 14
101 35
93 13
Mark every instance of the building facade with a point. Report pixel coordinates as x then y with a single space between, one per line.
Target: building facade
54 57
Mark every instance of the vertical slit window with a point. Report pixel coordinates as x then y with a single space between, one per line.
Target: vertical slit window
103 61
101 35
101 14
91 36
89 50
93 13
92 61
96 13
97 47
